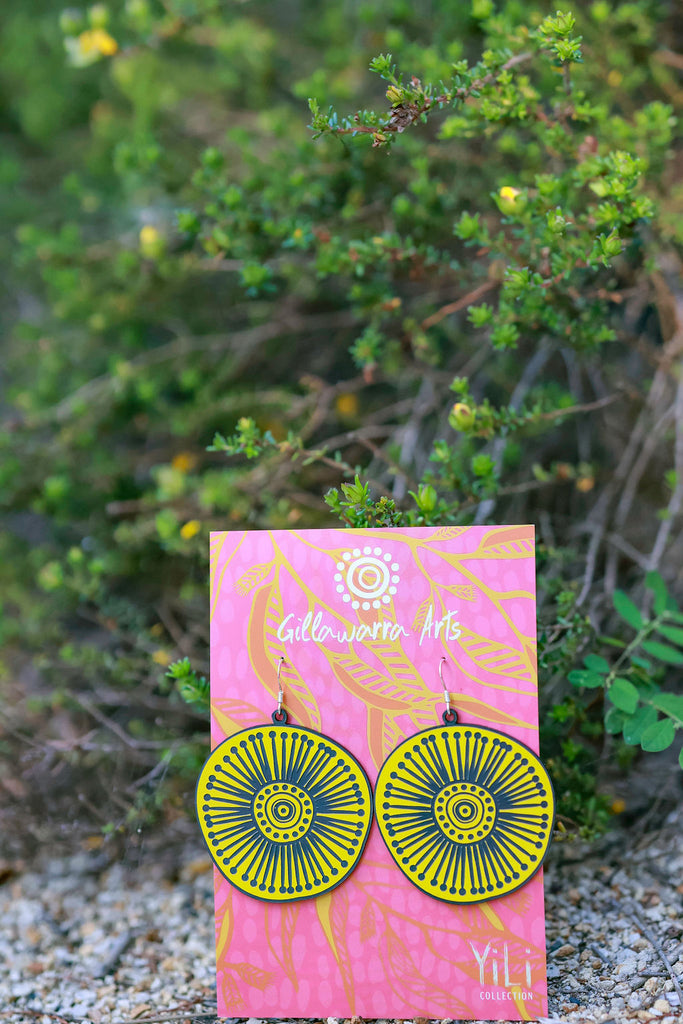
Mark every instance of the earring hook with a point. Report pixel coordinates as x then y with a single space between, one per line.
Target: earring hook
280 691
450 716
446 694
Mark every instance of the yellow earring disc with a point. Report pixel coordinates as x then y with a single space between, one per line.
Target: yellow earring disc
465 811
284 811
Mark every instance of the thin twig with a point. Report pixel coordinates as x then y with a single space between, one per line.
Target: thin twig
531 372
415 111
639 467
642 925
114 727
573 410
238 343
676 501
454 307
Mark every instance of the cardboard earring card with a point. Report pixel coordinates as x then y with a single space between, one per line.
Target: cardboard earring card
363 619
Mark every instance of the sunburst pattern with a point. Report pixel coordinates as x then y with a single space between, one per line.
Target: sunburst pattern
284 811
466 812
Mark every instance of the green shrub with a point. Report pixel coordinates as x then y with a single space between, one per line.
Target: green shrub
451 299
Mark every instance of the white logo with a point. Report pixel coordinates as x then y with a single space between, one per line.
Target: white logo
368 578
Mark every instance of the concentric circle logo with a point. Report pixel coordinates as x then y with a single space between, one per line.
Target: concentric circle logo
283 811
368 578
464 812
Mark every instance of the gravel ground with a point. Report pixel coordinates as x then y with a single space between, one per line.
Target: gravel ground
82 940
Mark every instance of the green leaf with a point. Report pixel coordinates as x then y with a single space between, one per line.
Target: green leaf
672 633
670 703
658 736
655 582
663 652
589 680
623 695
595 663
626 608
680 757
635 726
614 721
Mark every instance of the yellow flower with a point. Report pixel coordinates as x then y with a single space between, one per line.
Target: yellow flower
618 806
162 657
190 529
151 242
346 404
585 484
461 417
184 462
96 41
509 200
614 78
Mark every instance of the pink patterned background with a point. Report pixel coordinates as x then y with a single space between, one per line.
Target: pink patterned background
376 946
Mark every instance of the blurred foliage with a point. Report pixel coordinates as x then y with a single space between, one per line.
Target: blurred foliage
453 298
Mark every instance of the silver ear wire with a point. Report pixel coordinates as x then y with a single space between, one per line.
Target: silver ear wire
446 694
280 691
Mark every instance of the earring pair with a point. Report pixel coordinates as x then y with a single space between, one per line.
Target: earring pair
465 811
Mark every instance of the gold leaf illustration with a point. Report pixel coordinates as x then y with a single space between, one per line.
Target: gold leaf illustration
252 577
253 976
519 902
447 533
421 614
463 591
510 542
490 715
224 925
395 692
501 659
233 715
232 997
368 926
216 545
492 917
265 649
401 971
280 930
333 914
383 735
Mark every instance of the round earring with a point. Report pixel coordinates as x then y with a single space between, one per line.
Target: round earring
284 810
466 811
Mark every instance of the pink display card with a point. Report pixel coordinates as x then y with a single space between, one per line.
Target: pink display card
362 619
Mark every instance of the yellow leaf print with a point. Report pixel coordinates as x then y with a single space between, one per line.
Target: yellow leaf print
447 533
368 926
252 577
265 651
421 614
509 542
333 913
500 659
253 976
233 715
227 922
280 929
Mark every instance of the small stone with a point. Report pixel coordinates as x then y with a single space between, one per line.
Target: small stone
662 1006
652 985
565 950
